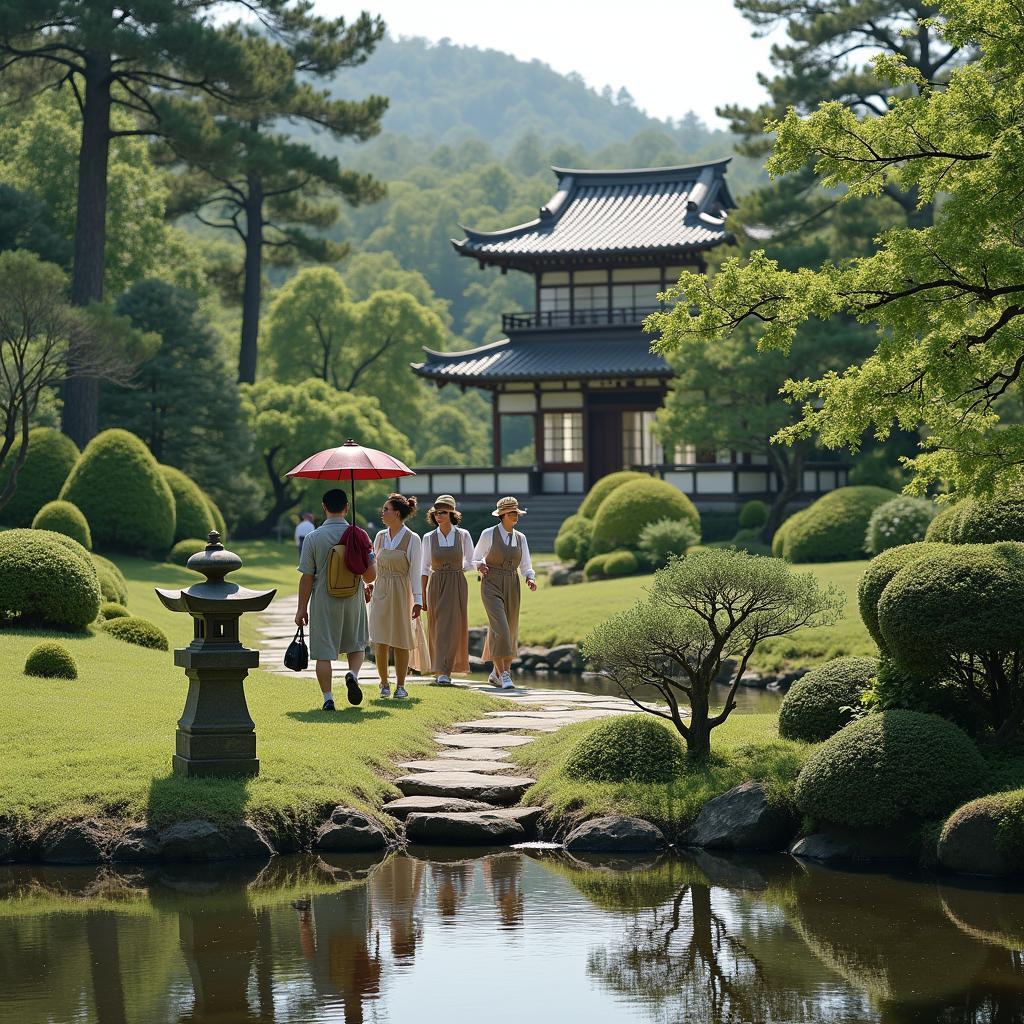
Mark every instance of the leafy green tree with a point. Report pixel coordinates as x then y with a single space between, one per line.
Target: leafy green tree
26 222
269 188
369 272
946 299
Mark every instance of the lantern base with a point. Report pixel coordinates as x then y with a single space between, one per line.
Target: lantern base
218 767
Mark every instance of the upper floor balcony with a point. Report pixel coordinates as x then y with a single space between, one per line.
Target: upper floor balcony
629 316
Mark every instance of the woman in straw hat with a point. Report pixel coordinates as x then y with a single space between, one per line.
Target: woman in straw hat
447 556
500 555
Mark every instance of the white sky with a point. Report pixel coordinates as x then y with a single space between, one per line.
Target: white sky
672 55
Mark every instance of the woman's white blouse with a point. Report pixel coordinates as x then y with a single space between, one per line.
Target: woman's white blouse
483 547
455 534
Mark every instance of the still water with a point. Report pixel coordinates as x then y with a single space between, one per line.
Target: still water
523 937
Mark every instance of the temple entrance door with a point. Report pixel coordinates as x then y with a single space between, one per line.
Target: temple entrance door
604 443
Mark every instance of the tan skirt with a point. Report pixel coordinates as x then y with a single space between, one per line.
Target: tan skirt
448 622
500 593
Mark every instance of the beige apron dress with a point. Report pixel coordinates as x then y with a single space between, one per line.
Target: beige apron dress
391 622
500 593
447 609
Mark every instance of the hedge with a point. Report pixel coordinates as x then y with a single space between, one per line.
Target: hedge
629 508
594 569
779 538
943 528
47 580
119 488
50 660
113 585
192 516
572 544
753 515
1007 810
630 748
134 630
812 710
988 522
659 541
620 563
63 517
833 528
900 521
185 549
50 458
889 768
113 610
596 495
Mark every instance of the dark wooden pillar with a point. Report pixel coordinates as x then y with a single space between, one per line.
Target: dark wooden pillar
495 429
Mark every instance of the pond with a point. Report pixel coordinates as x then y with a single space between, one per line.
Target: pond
523 937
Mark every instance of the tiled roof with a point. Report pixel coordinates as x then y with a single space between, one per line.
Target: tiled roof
539 358
657 210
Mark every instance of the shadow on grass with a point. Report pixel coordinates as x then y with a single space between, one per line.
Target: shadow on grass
343 716
176 798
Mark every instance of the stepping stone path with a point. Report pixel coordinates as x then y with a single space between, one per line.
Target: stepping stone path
462 795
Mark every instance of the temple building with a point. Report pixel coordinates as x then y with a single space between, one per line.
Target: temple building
574 379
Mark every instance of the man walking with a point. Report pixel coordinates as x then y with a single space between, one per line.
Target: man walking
337 625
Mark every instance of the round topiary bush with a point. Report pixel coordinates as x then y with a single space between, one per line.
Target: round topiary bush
900 521
113 585
944 527
192 516
184 549
620 563
51 660
596 495
594 569
113 610
753 515
629 508
50 458
134 630
779 538
889 768
63 517
122 493
572 544
659 541
833 529
47 580
631 748
812 710
988 522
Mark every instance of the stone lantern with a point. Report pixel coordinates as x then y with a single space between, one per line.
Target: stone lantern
216 736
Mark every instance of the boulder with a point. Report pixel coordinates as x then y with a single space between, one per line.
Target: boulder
968 843
80 842
432 805
559 576
202 841
615 834
560 653
568 666
492 789
350 831
577 576
477 636
478 665
753 680
473 828
742 819
139 844
857 846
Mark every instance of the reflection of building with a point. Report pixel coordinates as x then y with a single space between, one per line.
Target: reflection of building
574 377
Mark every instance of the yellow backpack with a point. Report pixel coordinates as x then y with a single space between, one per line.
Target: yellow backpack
341 580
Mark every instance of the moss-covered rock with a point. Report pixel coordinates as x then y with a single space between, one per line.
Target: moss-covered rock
51 660
113 610
122 493
596 495
47 580
113 585
630 748
629 508
63 517
903 520
834 528
572 544
50 458
985 836
139 631
892 767
192 515
812 710
185 549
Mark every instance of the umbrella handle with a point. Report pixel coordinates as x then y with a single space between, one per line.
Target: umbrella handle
352 480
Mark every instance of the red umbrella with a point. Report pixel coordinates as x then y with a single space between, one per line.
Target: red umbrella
352 462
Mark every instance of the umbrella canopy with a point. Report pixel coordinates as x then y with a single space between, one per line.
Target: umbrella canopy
350 461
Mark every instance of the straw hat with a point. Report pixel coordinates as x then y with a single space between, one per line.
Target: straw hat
506 505
444 499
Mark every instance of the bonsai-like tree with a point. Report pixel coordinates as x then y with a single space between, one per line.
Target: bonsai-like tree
702 610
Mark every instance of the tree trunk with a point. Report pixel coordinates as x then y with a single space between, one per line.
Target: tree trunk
253 280
81 394
790 471
698 743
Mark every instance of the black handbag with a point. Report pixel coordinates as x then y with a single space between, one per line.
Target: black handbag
297 656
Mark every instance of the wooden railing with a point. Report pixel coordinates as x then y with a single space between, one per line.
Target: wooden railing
625 315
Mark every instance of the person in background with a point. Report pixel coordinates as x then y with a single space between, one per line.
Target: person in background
305 527
447 557
500 555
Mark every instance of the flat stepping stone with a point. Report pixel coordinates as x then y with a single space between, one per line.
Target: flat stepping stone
443 764
508 725
432 805
474 754
477 828
578 715
468 740
493 789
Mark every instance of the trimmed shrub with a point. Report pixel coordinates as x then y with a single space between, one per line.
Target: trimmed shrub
594 569
750 540
629 508
122 493
659 541
113 610
779 538
50 458
620 563
185 549
51 660
988 522
572 544
894 689
833 529
596 495
47 580
945 526
1007 809
63 517
631 748
889 768
753 515
812 710
220 524
192 516
900 521
113 585
138 631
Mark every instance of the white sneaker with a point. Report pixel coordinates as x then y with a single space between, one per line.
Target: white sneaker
443 680
492 679
506 682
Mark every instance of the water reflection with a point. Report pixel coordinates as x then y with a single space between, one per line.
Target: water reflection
449 937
